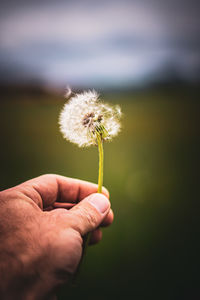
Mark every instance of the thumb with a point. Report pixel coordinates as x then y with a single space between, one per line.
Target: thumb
89 213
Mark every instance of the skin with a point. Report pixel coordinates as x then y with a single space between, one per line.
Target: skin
42 225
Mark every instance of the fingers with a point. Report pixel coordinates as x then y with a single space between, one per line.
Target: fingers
106 222
96 236
108 219
65 205
47 189
87 215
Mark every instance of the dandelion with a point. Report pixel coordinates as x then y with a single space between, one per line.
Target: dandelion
85 120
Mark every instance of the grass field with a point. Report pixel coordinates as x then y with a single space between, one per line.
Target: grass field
151 170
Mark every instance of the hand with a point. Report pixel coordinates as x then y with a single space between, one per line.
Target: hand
42 222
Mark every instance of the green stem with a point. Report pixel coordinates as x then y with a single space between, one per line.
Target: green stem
100 148
99 190
100 178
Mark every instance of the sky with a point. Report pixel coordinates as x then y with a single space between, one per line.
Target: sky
103 42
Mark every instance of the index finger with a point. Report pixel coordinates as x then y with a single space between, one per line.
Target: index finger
50 188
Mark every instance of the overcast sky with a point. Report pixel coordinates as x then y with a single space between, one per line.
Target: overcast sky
99 42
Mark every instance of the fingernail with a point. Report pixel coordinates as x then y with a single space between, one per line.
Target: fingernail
100 202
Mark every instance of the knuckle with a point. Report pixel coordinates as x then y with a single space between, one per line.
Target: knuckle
87 220
91 219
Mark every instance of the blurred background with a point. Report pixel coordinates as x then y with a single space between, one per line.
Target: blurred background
143 55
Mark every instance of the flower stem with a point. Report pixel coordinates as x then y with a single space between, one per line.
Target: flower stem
100 148
100 180
99 190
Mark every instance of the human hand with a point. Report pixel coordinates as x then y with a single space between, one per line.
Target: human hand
42 223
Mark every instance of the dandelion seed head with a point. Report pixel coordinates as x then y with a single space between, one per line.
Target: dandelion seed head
85 115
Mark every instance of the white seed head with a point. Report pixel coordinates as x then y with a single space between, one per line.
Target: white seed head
84 117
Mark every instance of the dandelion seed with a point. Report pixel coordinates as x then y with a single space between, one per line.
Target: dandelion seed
68 92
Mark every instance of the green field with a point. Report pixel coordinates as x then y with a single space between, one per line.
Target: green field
151 170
